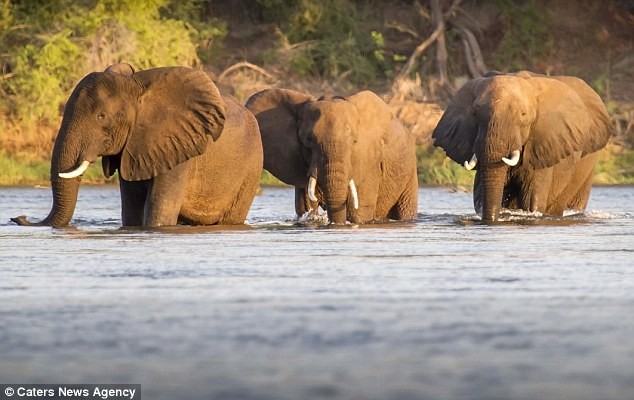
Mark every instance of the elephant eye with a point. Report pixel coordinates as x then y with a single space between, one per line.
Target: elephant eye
102 117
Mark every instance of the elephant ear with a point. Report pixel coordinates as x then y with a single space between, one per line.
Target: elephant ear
457 129
278 115
570 118
374 115
179 111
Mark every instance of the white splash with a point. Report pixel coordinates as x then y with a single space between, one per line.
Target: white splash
599 214
321 217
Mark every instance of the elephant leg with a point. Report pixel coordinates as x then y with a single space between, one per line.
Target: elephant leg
406 207
478 193
133 196
165 197
536 190
240 208
580 200
582 182
512 196
303 204
572 179
371 208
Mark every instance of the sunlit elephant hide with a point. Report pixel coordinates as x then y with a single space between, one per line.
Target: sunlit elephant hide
184 152
348 155
532 139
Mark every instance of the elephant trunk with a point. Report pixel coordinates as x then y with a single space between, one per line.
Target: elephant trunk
64 190
492 180
335 187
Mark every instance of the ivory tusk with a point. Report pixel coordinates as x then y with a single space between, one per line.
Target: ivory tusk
515 158
353 192
76 172
312 183
469 165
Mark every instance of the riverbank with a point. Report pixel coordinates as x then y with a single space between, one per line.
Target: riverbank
615 167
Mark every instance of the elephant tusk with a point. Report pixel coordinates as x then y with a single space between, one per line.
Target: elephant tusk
76 172
515 158
469 165
353 193
312 183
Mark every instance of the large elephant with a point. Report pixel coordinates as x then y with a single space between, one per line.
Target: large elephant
532 139
185 153
348 155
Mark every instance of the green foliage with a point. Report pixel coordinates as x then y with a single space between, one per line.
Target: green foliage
207 33
43 75
6 17
615 167
16 171
50 45
435 168
526 33
274 10
334 44
266 179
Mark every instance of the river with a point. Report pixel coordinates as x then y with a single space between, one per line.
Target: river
440 308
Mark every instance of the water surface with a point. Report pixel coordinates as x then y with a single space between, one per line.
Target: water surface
441 308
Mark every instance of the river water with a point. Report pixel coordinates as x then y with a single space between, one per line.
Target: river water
441 308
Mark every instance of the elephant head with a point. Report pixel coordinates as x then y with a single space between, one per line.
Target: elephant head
141 124
511 123
321 144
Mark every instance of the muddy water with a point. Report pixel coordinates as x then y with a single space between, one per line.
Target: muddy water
442 308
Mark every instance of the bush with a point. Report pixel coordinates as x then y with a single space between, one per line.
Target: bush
435 168
51 45
527 35
333 45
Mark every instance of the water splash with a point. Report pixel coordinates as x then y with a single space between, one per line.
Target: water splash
310 218
523 217
603 215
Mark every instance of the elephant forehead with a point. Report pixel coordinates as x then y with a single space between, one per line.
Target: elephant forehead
505 93
95 89
331 114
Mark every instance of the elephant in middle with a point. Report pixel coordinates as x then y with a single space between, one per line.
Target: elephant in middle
348 155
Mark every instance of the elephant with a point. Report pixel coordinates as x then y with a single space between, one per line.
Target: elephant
185 154
348 155
532 139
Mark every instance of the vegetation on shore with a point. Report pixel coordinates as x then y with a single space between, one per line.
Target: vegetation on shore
47 46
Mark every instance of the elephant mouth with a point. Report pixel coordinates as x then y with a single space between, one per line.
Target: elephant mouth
511 162
312 185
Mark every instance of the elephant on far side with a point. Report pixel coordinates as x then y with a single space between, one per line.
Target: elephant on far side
532 139
348 155
184 152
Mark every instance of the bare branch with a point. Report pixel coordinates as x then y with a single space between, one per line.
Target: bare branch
473 55
438 19
402 28
409 65
244 64
441 48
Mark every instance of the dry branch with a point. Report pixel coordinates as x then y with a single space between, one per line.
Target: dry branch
453 16
244 64
473 55
441 48
411 62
